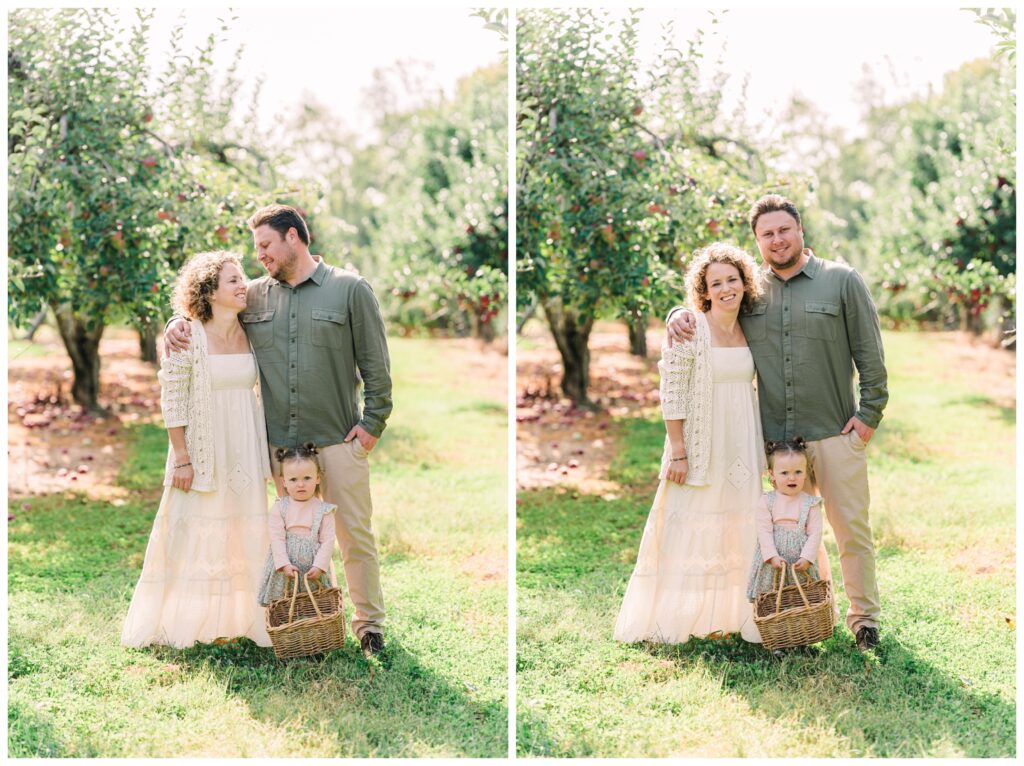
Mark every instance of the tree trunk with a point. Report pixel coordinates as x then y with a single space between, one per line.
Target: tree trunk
637 324
572 334
483 330
82 342
147 343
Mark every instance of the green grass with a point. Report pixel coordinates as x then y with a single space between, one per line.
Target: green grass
18 349
941 684
440 514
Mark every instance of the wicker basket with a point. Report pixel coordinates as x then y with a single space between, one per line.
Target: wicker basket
795 615
313 624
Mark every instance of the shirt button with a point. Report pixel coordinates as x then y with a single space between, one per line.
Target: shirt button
293 366
785 308
788 409
293 390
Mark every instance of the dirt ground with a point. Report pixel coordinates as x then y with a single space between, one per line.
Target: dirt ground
53 446
559 445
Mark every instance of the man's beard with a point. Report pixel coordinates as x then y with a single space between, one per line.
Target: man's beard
790 263
287 268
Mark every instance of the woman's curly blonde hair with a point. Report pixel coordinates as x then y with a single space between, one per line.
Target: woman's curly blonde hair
721 252
198 280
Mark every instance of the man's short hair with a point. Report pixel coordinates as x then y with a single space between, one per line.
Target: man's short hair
280 218
772 203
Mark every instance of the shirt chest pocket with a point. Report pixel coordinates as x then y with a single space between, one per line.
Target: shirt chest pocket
821 320
329 328
259 327
755 323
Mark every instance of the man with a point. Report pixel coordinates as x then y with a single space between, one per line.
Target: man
318 333
814 323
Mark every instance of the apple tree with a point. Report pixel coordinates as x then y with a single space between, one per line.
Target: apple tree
622 173
104 204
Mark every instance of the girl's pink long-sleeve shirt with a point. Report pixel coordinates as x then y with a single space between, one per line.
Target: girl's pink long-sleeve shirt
300 515
787 511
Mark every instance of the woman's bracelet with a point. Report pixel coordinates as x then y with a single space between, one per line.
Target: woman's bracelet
677 459
183 465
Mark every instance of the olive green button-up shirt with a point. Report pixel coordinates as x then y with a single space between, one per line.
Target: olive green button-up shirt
806 334
319 345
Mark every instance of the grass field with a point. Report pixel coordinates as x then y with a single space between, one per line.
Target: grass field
439 484
943 681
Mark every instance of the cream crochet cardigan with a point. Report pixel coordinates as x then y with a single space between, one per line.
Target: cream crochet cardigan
186 399
686 395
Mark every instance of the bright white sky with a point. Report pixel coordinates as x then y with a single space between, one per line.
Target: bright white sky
332 53
821 54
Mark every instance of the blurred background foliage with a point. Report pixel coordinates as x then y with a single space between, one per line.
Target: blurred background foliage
118 170
624 169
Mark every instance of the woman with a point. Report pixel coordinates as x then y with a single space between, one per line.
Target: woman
691 571
209 538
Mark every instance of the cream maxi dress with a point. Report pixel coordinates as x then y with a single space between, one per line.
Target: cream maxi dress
206 552
691 572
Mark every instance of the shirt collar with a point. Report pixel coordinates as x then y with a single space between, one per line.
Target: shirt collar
317 276
810 269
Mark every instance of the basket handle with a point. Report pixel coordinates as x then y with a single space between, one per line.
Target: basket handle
295 592
779 580
305 580
799 589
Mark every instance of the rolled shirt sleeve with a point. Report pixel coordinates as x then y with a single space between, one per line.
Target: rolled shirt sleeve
372 358
865 338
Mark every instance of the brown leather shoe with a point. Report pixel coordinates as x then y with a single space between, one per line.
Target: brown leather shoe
372 643
867 638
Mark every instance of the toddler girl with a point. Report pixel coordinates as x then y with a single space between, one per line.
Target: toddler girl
301 526
788 519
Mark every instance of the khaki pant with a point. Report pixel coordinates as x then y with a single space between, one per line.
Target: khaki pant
839 474
346 484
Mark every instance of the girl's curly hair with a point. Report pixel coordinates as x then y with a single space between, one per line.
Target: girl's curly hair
721 252
198 280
